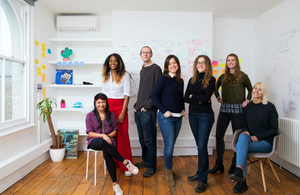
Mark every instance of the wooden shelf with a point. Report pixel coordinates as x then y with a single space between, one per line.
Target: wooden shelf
75 86
75 41
85 63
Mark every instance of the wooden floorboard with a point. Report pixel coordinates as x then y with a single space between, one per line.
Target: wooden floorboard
69 177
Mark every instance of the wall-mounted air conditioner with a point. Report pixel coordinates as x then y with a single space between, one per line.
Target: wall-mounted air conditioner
77 23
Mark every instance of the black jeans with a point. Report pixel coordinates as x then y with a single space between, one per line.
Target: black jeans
146 126
222 124
109 153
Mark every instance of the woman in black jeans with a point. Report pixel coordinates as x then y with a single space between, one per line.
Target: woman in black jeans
233 83
201 115
101 127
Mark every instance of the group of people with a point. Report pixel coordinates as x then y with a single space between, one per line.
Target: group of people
161 96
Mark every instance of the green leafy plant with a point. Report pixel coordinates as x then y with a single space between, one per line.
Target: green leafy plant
62 101
45 106
66 53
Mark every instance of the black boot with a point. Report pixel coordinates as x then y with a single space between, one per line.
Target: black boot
237 175
240 187
218 167
232 167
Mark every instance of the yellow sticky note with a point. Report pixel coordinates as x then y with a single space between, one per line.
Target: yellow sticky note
220 74
44 91
36 43
43 77
44 98
223 70
222 65
36 61
215 72
43 54
43 67
240 61
43 47
38 71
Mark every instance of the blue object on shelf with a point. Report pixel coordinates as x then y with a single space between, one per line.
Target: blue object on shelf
77 105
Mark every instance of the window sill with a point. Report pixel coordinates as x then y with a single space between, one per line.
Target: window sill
6 131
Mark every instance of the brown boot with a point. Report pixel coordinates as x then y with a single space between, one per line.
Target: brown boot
170 178
175 176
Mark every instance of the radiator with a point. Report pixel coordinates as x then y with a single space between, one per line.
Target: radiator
289 145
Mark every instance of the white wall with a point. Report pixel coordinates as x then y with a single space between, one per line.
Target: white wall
276 65
24 150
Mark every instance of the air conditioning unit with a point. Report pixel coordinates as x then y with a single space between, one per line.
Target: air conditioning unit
77 23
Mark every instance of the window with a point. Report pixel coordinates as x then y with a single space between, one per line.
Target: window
13 66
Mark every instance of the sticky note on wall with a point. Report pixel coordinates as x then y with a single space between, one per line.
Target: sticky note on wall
222 65
36 61
43 54
44 77
43 47
240 61
36 43
38 71
44 67
215 63
223 70
215 71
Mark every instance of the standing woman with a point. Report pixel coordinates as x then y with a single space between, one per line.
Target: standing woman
167 95
116 84
233 83
101 127
201 116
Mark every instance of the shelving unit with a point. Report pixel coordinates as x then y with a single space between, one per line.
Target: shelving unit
75 86
92 51
85 63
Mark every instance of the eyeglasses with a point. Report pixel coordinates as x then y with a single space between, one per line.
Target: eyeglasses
148 52
200 63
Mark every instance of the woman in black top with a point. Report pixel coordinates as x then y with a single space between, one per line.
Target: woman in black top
201 116
260 126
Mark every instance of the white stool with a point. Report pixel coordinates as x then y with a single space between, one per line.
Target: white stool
87 164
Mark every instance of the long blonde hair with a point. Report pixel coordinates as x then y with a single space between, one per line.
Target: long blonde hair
264 91
237 70
208 71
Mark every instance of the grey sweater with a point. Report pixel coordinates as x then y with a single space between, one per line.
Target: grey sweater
148 77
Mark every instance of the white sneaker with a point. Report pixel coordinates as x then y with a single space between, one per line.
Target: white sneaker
118 189
133 169
128 173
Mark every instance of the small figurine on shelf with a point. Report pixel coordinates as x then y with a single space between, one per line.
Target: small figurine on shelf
62 103
66 54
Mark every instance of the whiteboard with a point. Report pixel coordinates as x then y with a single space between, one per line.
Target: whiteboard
185 35
278 57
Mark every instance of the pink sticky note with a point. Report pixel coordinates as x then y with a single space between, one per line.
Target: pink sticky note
215 63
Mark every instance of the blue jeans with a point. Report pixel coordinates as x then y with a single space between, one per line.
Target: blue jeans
146 126
246 145
169 128
201 124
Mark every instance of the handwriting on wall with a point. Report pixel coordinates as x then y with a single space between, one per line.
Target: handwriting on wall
185 50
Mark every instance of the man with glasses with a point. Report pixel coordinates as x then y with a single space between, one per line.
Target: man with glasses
146 112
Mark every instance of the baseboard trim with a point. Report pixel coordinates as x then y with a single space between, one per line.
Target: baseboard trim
13 164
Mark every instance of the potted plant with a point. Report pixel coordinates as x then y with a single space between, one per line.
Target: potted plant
62 103
57 150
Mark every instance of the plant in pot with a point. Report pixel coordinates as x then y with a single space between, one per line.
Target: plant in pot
62 103
57 150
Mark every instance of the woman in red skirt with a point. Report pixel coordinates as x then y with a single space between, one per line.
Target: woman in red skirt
116 85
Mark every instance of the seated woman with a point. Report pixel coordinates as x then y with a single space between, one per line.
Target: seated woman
101 127
260 126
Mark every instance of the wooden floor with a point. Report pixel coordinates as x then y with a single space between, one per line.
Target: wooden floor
68 177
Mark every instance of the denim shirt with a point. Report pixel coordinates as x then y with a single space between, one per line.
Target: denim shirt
92 125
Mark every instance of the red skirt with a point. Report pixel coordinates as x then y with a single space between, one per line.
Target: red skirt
122 137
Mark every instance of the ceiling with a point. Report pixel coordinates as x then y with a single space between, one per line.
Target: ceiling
246 9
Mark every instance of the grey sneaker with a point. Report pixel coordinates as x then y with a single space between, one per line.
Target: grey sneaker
118 189
133 169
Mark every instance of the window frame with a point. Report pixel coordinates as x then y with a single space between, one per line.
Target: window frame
24 16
